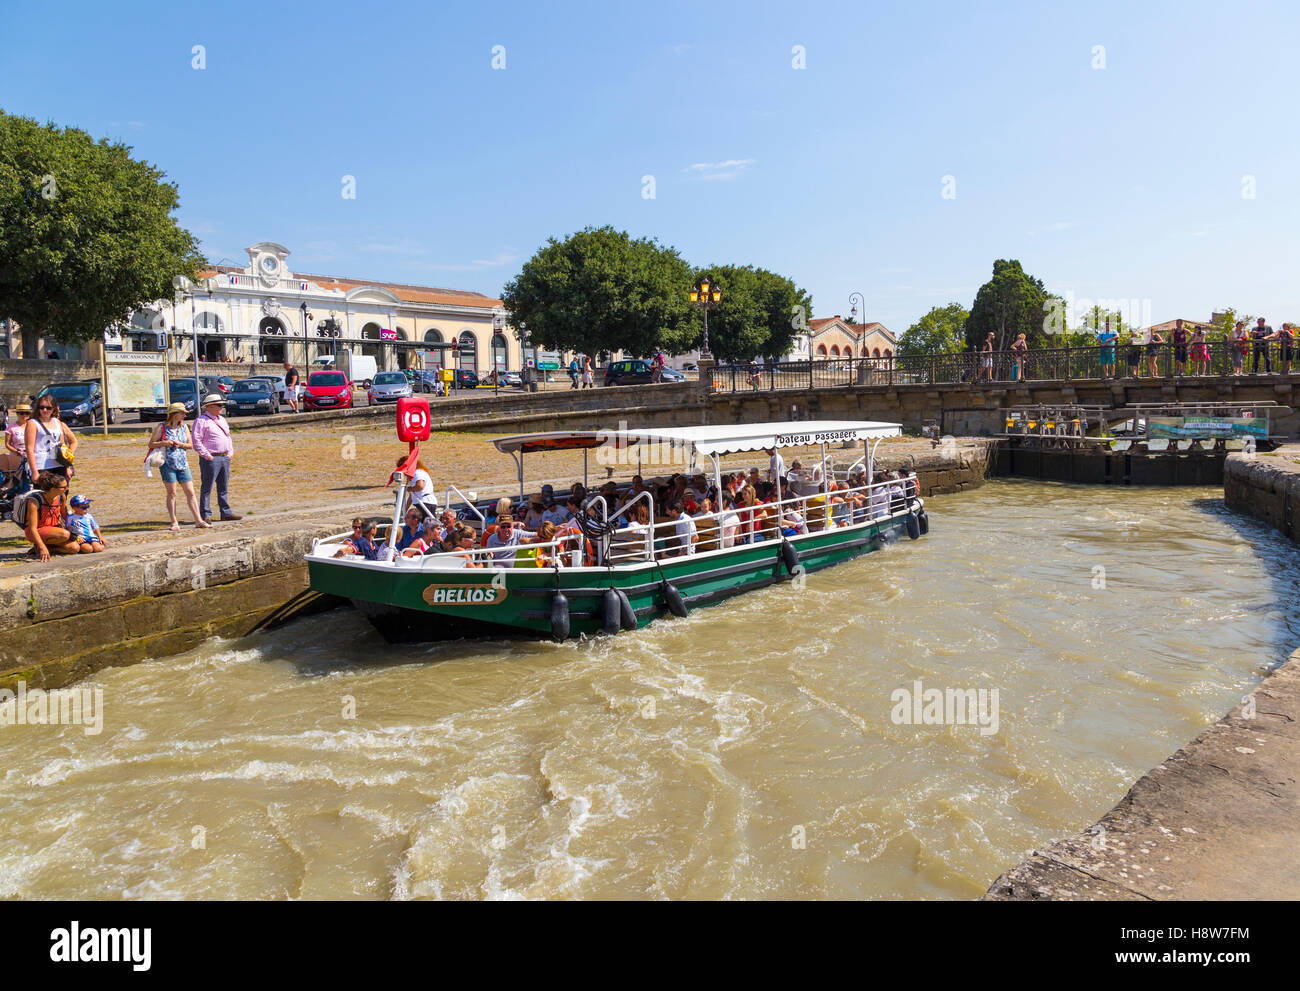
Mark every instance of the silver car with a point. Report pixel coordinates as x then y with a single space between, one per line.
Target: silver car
388 387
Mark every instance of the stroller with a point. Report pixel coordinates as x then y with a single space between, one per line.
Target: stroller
15 482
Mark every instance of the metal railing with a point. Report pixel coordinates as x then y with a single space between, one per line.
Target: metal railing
1126 360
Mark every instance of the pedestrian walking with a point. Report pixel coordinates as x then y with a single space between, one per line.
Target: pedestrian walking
574 371
172 437
216 450
588 374
291 378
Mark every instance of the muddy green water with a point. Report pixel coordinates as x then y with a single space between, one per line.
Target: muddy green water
745 752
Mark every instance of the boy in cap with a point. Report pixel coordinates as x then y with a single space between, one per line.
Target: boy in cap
82 526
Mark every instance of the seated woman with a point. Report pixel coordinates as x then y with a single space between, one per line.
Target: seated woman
410 539
464 539
504 507
45 513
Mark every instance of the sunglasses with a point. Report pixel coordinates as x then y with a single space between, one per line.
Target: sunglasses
45 409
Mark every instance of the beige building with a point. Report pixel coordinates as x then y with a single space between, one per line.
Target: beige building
265 311
835 337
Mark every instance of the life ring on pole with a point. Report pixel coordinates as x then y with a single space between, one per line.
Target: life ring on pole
627 615
673 599
913 526
611 608
559 616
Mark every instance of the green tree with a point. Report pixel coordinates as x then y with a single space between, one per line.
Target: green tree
1009 304
600 290
759 314
86 232
938 332
1228 318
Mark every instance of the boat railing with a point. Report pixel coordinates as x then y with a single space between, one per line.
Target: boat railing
469 504
844 505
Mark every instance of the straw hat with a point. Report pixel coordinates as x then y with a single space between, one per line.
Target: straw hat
23 408
212 399
176 408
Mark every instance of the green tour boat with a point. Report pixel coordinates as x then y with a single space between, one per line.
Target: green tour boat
622 561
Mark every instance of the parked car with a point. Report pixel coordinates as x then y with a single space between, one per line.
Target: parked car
80 403
327 390
388 387
631 371
463 378
324 361
277 386
252 396
226 383
424 381
178 391
512 378
673 375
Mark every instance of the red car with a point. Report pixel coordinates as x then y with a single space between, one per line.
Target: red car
327 390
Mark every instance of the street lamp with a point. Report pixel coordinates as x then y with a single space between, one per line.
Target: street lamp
853 313
704 295
498 325
306 316
184 286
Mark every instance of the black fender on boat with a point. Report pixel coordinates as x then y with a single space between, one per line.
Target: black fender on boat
913 526
611 610
559 616
791 558
673 599
627 615
924 519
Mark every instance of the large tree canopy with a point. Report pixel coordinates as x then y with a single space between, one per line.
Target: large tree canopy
759 314
86 232
600 290
1008 304
938 332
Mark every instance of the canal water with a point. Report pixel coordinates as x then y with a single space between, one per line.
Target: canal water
757 749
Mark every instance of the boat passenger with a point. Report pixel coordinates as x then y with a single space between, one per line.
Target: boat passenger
535 513
361 543
728 522
504 543
420 490
464 540
879 498
412 531
502 509
706 523
688 534
897 495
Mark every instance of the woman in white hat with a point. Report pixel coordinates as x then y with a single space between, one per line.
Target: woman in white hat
173 439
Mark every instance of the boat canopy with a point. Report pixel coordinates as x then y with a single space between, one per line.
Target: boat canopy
706 440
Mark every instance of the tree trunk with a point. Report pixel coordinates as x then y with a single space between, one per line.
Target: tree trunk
31 336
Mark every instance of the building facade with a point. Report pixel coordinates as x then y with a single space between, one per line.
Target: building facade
264 311
835 337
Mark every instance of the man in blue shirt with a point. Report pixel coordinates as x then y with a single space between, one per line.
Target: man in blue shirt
1107 339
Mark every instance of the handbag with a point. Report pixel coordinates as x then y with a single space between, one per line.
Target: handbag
157 458
64 456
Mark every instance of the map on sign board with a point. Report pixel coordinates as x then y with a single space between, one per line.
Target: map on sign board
136 384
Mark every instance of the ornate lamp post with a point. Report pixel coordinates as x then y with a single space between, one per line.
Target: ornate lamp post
853 312
184 286
704 295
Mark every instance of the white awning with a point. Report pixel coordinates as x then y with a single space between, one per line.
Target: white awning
706 440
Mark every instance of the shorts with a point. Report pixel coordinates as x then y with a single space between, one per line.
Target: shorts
1134 355
1180 352
1153 350
170 474
1200 352
1287 350
1108 356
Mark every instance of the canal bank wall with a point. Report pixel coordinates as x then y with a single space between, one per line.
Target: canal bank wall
66 619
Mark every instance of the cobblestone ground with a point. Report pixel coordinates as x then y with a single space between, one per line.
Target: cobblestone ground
332 471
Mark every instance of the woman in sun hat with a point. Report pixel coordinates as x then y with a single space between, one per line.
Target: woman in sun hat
16 433
172 437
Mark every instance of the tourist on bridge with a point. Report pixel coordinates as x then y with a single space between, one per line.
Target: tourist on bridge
1287 338
1134 355
1237 347
216 449
1200 353
1179 337
986 360
1018 349
1107 339
1260 335
1153 352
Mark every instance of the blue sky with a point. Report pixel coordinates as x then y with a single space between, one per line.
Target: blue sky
1122 182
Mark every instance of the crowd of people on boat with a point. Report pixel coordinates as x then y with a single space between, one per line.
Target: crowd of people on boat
691 515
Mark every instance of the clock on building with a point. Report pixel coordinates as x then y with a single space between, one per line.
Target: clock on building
270 268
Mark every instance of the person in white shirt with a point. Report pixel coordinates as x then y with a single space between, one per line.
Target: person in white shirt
687 533
728 522
504 543
775 467
421 488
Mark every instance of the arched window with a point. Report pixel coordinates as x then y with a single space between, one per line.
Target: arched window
371 332
468 353
835 350
500 353
437 357
875 353
271 350
821 350
888 353
209 323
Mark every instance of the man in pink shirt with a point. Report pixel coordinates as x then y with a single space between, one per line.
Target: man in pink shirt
215 447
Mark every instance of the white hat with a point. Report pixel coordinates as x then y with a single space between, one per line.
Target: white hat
212 398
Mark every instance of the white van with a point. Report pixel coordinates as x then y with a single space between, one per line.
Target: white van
360 368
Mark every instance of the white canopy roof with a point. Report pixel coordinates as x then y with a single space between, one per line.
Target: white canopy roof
706 440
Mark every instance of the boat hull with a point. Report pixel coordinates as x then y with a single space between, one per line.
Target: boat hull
409 604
